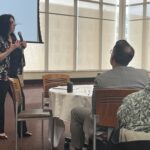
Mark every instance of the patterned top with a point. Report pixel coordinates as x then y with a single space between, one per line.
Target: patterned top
134 113
4 64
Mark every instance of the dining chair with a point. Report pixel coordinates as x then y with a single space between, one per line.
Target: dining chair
49 81
30 114
107 104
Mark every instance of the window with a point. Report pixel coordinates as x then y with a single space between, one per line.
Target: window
79 34
88 36
138 31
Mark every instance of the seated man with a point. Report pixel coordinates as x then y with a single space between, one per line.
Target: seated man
134 115
119 76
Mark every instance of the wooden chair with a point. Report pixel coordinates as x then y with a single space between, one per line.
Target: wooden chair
107 103
30 114
50 81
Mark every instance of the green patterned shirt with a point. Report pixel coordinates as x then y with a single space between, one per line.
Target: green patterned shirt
134 113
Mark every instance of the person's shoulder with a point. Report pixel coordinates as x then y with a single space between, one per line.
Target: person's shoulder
137 70
101 78
105 72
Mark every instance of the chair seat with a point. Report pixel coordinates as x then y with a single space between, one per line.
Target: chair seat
34 113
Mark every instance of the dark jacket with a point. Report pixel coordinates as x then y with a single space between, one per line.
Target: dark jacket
17 60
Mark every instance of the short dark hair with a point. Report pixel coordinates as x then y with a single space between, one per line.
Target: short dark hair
5 24
123 52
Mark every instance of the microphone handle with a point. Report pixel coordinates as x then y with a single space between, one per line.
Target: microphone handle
21 38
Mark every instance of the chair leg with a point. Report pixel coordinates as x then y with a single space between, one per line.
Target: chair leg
42 125
21 133
16 118
94 133
42 100
16 133
109 133
51 132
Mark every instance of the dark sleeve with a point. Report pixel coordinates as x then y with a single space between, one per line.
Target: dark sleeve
15 62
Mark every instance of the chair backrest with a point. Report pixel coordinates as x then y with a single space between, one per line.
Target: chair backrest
107 104
16 89
53 80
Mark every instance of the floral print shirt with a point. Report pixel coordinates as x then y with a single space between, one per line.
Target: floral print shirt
134 113
4 64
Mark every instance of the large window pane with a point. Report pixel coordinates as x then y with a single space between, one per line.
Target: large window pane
111 1
34 53
42 5
148 11
88 44
62 6
62 2
134 36
60 54
110 12
34 56
135 12
134 1
61 46
146 53
89 9
108 41
95 0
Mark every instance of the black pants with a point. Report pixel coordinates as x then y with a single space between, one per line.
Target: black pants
4 85
20 107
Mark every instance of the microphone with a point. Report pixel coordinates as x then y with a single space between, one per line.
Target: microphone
20 36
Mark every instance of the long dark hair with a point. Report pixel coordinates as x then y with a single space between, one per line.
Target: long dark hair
5 25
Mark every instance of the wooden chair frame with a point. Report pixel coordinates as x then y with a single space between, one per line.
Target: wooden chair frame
107 104
30 114
50 81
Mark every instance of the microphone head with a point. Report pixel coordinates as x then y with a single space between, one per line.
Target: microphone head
20 36
19 33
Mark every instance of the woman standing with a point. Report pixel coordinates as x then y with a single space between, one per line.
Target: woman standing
7 26
17 62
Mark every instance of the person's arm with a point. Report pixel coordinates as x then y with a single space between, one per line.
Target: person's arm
124 112
12 47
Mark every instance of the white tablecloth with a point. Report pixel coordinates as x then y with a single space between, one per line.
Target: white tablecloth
63 102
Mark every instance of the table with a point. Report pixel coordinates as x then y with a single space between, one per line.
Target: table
62 102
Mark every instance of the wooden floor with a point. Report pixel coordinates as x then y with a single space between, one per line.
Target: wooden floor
33 100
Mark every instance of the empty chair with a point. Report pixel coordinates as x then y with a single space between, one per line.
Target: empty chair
30 114
107 104
52 80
